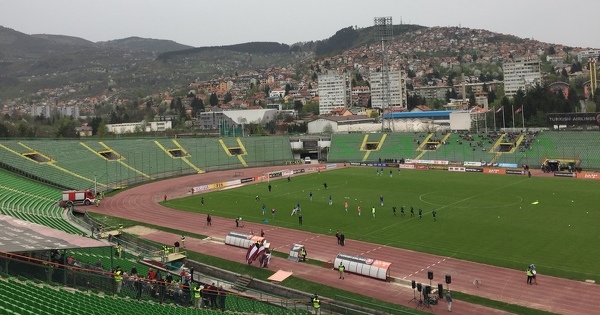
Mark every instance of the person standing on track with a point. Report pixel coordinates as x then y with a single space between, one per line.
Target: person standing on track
449 300
341 269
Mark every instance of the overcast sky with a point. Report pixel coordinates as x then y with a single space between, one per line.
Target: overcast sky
210 23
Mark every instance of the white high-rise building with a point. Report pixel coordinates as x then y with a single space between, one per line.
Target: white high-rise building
332 92
396 88
521 73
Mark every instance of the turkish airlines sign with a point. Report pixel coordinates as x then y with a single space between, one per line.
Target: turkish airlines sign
434 162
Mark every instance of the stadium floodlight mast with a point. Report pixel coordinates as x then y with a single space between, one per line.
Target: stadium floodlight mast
383 30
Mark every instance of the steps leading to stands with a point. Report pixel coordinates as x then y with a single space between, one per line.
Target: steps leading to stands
241 283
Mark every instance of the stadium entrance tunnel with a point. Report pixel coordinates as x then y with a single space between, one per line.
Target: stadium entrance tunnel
37 157
235 151
178 153
371 145
505 147
109 155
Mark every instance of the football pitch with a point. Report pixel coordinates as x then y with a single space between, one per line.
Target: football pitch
504 220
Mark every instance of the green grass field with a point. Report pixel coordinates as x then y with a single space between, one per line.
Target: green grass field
483 218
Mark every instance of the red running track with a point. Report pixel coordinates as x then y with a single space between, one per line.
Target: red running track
552 294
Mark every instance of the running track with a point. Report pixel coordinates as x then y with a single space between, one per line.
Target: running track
552 294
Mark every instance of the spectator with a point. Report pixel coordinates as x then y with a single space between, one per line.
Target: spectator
99 265
222 297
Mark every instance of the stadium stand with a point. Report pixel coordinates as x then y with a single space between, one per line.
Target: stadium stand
460 147
52 301
397 146
19 295
390 146
209 154
346 147
43 170
31 201
267 150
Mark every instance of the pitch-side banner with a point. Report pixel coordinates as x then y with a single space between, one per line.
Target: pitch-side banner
589 175
573 119
434 162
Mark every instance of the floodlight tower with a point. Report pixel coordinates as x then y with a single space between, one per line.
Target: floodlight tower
384 31
593 76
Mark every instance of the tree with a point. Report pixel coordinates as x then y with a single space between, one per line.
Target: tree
227 98
94 123
311 107
214 100
4 132
197 104
298 106
102 130
65 127
451 94
288 87
576 67
472 99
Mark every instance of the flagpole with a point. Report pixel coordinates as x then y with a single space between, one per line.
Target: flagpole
513 116
503 120
523 116
485 121
494 118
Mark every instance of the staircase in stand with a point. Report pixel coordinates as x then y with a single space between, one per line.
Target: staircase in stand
241 283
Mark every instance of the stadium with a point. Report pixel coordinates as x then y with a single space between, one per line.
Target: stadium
502 201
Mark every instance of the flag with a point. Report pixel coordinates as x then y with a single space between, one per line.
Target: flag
500 109
520 109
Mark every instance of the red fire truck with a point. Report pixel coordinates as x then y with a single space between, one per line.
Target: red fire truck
77 197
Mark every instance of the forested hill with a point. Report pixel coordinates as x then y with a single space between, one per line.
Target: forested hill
350 37
250 48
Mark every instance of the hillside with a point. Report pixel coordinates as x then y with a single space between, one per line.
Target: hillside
144 44
65 40
141 66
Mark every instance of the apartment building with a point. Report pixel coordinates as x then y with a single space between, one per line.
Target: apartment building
521 73
332 92
397 89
